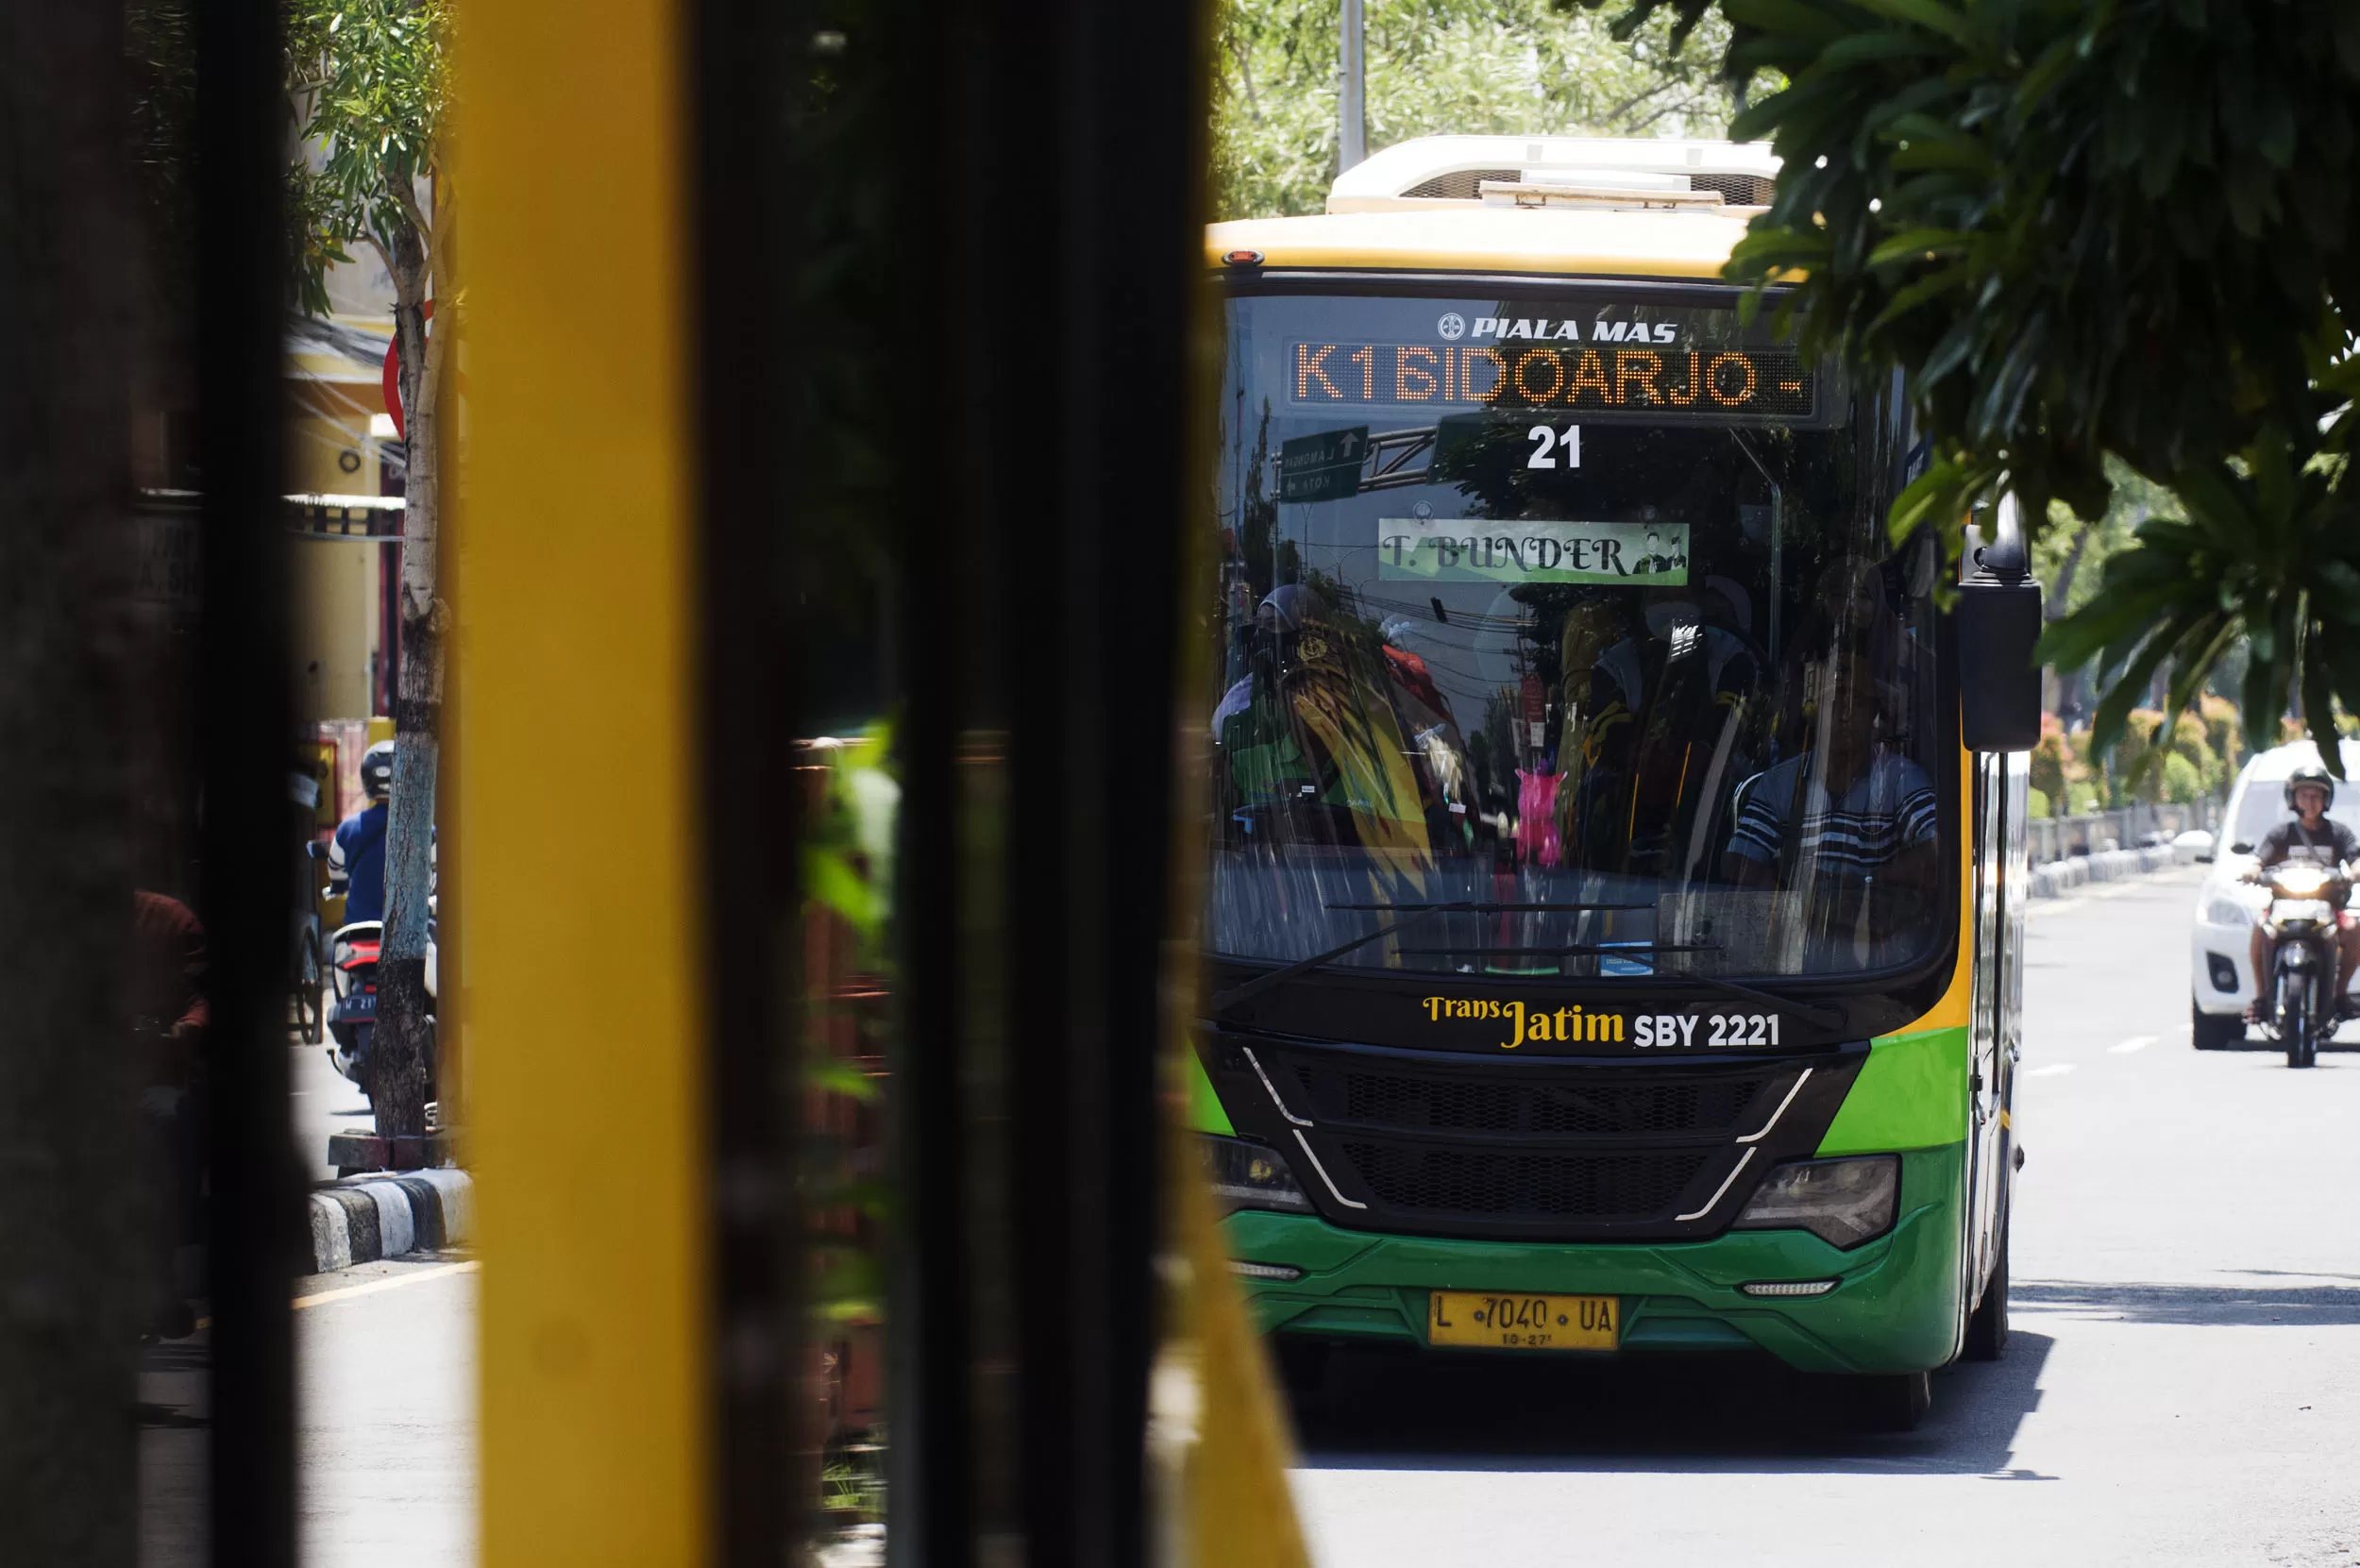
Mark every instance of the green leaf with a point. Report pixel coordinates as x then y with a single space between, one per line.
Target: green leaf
2318 713
1865 49
835 1076
1797 17
1918 243
1926 13
830 878
1924 291
2129 689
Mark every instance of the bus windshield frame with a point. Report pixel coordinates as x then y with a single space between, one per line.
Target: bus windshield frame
1368 642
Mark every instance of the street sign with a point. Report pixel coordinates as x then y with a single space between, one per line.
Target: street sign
393 378
1322 467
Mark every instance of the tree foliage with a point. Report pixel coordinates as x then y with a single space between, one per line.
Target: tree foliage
368 88
1465 67
2089 229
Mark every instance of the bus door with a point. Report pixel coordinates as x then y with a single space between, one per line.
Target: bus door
1991 994
2015 891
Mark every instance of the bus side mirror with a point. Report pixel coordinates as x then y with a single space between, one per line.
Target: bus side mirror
1998 623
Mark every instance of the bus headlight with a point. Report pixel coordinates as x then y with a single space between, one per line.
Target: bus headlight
1843 1201
1250 1175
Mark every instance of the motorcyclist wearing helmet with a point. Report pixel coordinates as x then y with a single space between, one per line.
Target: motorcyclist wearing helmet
2314 836
355 858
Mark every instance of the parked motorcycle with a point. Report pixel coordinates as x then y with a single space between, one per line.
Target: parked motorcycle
2304 1008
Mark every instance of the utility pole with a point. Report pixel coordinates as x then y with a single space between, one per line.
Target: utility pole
1352 135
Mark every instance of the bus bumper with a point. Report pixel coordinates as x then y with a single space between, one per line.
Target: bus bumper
1895 1308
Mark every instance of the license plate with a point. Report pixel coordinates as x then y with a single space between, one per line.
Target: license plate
358 1003
1522 1321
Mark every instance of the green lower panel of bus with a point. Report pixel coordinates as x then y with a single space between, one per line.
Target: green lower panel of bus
1895 1308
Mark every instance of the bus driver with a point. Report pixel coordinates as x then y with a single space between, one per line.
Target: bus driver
1851 811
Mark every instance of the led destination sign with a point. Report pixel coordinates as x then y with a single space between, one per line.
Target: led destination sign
1725 382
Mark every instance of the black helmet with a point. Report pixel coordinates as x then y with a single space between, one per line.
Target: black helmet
2310 773
377 770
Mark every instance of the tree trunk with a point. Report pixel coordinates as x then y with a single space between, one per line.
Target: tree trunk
71 1145
401 1065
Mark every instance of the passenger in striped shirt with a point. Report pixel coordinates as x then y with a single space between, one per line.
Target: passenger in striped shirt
1849 808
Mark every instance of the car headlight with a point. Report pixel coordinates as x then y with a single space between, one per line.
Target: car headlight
2225 910
1843 1201
1250 1175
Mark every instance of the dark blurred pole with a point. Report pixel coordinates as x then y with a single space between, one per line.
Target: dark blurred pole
256 1208
76 1288
1047 364
750 712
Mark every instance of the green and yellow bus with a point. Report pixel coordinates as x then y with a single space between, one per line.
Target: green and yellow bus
1612 947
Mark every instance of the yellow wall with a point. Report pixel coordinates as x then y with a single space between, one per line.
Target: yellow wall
337 583
336 627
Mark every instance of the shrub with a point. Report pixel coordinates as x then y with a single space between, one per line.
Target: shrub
2039 799
2225 731
2183 782
2142 773
2049 760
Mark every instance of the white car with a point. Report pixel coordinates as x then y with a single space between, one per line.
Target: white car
2221 968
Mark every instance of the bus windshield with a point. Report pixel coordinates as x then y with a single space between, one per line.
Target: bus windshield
1559 634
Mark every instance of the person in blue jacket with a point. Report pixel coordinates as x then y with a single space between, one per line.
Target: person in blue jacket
355 858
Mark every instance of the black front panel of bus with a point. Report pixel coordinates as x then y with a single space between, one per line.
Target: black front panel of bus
1530 1149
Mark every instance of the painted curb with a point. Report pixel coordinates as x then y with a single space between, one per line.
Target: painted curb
2059 876
365 1219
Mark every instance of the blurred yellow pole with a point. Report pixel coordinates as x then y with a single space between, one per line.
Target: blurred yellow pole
572 589
1218 1428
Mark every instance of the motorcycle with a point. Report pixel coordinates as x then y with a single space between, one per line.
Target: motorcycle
353 953
2303 1007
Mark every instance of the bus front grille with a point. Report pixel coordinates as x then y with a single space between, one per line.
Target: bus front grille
1528 1147
1518 1185
1639 1104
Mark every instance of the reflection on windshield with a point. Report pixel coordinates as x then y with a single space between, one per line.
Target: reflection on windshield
2264 807
1673 669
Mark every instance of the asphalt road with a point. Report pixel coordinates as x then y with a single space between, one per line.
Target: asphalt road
2182 1385
322 1101
385 1429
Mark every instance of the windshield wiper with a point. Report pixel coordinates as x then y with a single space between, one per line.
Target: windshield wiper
1809 1012
1415 912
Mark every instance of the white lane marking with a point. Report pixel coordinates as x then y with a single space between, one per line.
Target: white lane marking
391 1282
2050 1071
2136 1042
